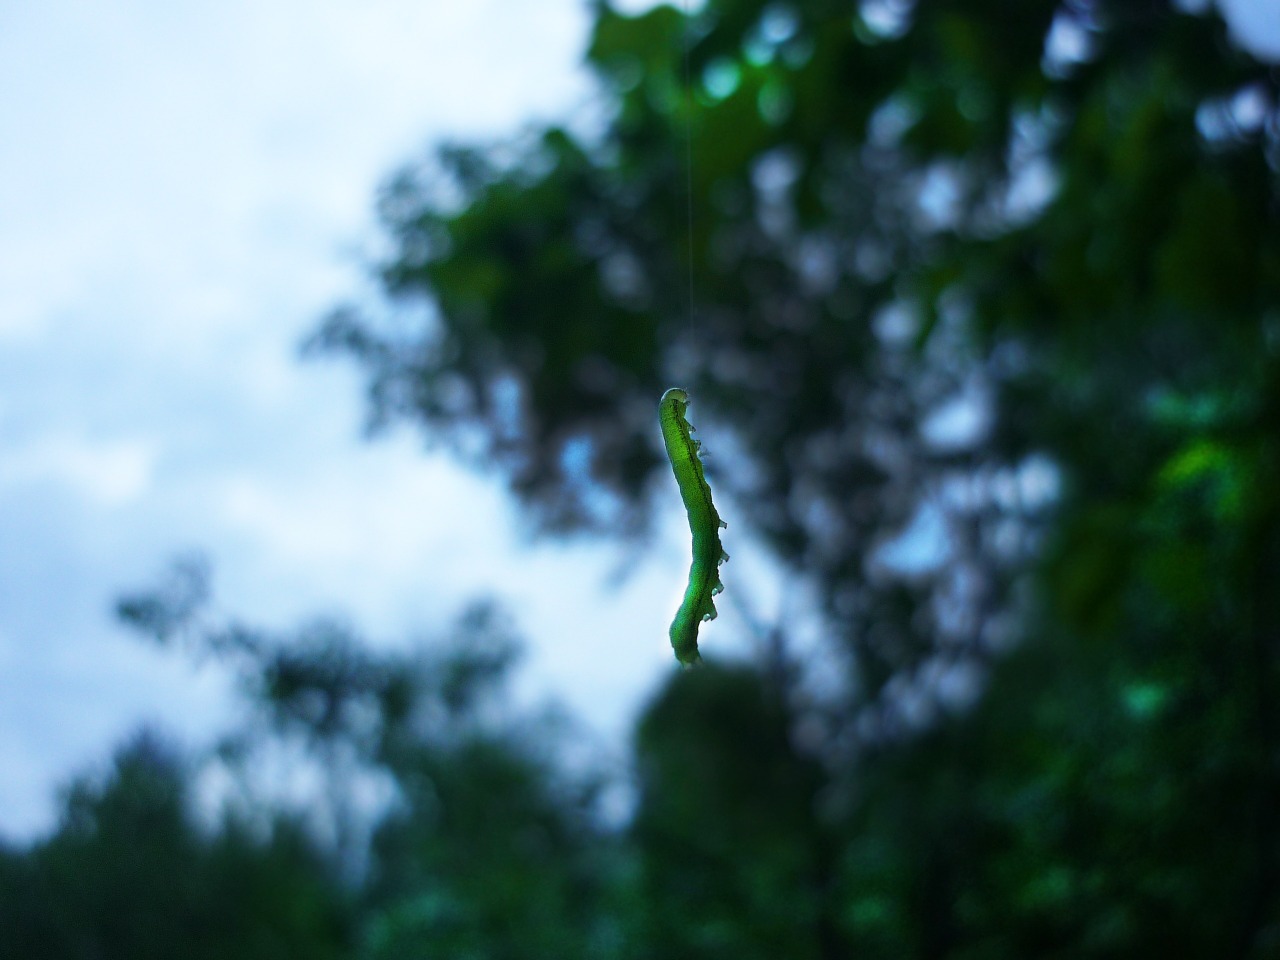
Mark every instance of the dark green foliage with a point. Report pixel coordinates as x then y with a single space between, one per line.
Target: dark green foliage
487 848
734 863
491 849
1058 739
129 875
1088 235
491 854
1069 208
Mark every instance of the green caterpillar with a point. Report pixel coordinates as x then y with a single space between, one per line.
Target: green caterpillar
704 524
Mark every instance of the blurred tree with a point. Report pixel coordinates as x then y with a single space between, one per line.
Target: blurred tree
907 223
1007 270
488 846
734 862
128 874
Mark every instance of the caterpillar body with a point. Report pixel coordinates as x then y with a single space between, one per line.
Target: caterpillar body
704 523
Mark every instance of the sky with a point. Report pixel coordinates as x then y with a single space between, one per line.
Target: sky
185 189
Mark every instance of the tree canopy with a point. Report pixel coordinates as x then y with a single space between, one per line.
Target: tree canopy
993 282
1057 221
1006 270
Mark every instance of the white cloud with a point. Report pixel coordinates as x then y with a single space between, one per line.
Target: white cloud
1255 25
921 548
109 472
960 422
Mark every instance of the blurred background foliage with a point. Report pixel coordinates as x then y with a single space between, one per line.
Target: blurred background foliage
980 301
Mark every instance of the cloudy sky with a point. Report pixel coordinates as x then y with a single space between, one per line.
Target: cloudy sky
184 190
